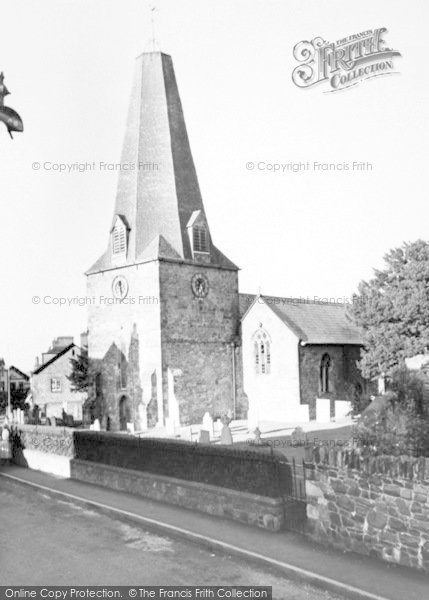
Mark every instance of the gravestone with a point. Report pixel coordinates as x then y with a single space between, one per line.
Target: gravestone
208 423
226 435
204 437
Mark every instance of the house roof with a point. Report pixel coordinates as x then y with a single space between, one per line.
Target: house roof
21 373
53 359
312 322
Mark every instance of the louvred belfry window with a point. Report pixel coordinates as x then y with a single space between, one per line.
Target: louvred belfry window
119 239
200 239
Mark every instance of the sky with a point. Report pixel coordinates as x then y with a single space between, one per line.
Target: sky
69 66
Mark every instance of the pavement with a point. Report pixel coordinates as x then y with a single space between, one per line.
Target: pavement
59 542
286 553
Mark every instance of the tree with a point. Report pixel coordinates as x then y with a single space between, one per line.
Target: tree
17 399
392 310
80 376
398 422
3 402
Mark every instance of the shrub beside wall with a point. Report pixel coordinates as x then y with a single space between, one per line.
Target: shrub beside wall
262 473
376 505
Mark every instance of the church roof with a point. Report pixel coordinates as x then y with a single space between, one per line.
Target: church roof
312 322
158 193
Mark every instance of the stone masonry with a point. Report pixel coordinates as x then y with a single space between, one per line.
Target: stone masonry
377 506
345 378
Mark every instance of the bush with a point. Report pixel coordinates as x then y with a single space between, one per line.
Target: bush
266 474
398 422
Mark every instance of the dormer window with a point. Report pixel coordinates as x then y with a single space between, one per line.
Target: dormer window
119 240
119 237
200 238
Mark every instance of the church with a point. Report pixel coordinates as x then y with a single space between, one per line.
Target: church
178 339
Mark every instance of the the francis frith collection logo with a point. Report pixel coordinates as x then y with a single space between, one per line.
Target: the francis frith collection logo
344 63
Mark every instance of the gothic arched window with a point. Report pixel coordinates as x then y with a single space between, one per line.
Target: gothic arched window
325 366
262 353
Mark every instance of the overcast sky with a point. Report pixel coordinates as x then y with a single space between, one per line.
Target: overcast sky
69 65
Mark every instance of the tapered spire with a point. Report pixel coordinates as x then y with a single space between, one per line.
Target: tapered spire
158 197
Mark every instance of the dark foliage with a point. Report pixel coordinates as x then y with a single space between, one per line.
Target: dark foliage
398 422
392 309
263 473
80 375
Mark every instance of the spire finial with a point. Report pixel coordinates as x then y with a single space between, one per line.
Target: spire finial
153 9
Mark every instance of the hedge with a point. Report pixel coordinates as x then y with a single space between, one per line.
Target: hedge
263 473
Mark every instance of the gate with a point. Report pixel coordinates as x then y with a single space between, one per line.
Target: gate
292 485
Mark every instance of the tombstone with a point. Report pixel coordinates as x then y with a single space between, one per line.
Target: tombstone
257 439
96 425
217 427
298 437
208 423
226 435
130 428
36 413
204 437
142 416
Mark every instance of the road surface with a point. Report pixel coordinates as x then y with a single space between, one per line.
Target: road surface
47 541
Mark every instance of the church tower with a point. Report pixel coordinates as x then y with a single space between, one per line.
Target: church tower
163 328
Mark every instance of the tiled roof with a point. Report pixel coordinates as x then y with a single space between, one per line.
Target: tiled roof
23 375
312 322
53 359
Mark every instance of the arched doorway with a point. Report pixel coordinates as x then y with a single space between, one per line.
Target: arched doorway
124 412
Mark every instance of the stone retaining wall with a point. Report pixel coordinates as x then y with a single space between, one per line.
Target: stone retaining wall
251 509
376 505
43 448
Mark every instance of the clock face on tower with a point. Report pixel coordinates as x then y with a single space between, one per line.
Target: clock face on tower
200 285
120 287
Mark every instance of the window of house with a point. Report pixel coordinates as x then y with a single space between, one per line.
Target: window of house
262 353
200 239
55 384
21 386
325 366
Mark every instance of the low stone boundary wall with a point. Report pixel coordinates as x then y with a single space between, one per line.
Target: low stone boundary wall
251 509
374 505
43 448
